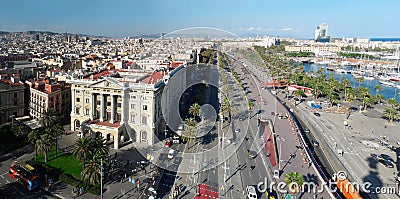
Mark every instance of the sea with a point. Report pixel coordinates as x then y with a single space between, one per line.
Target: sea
387 91
385 39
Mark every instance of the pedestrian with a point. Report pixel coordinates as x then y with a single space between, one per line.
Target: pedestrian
125 175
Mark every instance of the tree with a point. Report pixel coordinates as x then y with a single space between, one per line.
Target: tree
33 137
56 131
379 98
91 171
364 94
377 89
345 84
44 145
195 110
294 178
83 149
99 148
251 104
392 102
360 80
299 94
391 114
48 119
227 107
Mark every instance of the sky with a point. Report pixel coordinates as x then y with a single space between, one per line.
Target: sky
284 18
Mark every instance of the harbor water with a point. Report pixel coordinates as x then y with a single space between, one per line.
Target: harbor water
387 91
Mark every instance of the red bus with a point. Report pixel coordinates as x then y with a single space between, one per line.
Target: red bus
27 178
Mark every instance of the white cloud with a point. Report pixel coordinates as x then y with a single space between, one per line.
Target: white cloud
286 29
250 29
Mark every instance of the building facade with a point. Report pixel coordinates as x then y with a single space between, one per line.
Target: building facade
11 100
48 95
122 107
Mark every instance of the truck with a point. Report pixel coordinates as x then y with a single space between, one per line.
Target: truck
314 105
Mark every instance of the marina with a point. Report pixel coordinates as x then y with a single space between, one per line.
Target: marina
389 82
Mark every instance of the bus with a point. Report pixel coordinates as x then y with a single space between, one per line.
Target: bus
25 176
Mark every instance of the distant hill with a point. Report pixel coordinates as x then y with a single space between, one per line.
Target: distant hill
4 33
149 36
33 32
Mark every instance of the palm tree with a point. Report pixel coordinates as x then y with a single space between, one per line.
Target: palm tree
99 148
44 145
365 94
17 130
190 131
56 131
294 178
345 84
379 97
392 102
251 104
195 110
33 137
91 171
227 107
83 149
360 80
391 114
377 89
299 94
48 119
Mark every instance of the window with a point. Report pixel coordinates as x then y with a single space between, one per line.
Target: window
78 99
108 103
77 110
132 106
145 107
119 104
87 111
144 119
15 95
98 102
133 118
87 100
78 91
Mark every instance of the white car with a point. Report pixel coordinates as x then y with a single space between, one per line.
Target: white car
237 130
171 153
251 192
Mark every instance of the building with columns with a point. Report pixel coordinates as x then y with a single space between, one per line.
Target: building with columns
120 105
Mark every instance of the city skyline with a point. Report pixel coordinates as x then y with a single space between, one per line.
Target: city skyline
130 18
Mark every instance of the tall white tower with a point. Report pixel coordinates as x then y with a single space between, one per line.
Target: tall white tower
321 31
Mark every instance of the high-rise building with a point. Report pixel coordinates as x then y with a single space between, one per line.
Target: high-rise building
321 33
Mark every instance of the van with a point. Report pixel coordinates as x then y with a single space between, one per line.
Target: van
176 139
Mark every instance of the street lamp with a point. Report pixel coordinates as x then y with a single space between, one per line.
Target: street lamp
101 178
280 152
12 120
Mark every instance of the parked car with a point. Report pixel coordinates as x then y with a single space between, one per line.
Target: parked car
376 156
386 163
306 130
282 117
388 158
251 154
315 143
171 153
317 114
168 143
237 130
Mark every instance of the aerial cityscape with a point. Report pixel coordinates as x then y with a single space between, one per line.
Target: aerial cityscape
199 100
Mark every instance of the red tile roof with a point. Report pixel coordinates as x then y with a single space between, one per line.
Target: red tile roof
10 83
154 78
104 123
176 64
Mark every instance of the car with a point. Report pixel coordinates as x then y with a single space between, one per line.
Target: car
237 130
176 139
282 117
306 130
251 154
315 143
168 143
317 114
386 163
181 127
171 153
388 158
376 156
251 192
